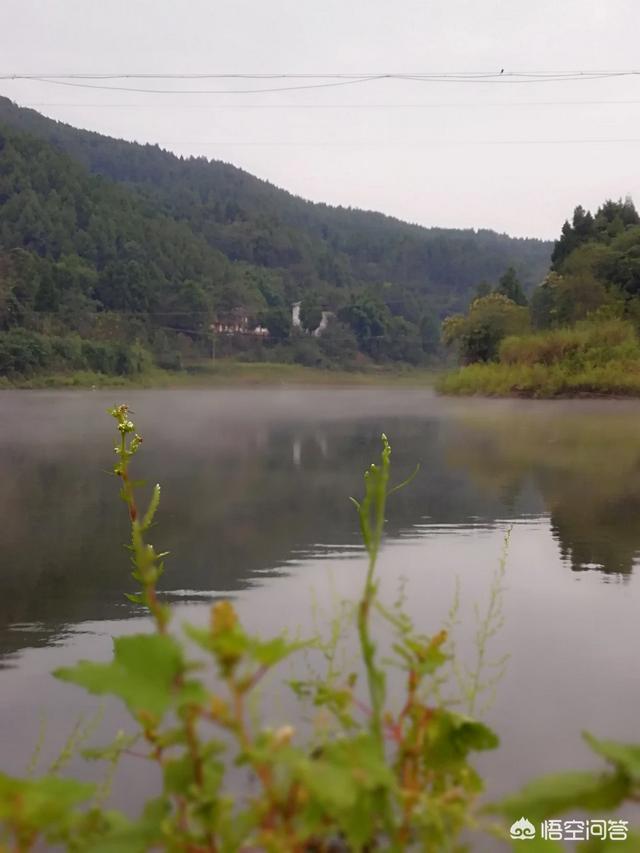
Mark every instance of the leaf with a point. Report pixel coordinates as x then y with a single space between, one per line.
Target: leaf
557 793
153 507
179 775
406 482
228 646
625 756
42 803
142 673
470 735
451 737
271 652
345 781
125 836
426 656
231 644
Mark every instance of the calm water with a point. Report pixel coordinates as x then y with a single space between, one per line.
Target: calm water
255 487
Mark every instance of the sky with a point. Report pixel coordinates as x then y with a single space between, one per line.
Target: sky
511 156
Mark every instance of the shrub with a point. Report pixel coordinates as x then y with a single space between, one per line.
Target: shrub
338 343
23 352
589 341
478 334
67 353
306 351
593 357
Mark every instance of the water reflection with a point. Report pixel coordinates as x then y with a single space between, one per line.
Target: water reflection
582 462
254 480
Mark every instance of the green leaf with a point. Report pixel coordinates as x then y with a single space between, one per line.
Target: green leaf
271 652
346 780
42 803
451 737
153 506
227 646
557 793
125 836
179 775
624 756
338 700
332 785
142 673
231 645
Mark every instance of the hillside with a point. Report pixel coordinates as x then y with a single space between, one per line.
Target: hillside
186 240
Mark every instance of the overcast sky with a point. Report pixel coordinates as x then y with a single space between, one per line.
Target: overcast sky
447 154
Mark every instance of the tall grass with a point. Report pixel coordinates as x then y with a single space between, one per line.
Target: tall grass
591 358
583 344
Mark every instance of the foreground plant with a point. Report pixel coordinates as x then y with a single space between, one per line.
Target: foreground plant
383 771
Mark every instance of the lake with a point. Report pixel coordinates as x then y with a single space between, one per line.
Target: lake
255 506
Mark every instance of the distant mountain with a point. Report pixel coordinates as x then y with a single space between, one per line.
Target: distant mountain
192 238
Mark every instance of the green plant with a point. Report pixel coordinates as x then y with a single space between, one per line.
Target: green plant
381 774
387 770
594 357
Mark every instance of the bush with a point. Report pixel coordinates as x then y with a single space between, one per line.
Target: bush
586 342
592 358
338 343
25 353
307 352
478 334
67 353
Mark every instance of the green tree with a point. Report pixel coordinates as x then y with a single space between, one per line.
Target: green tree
483 289
509 286
429 334
478 335
370 321
404 342
338 343
278 322
310 312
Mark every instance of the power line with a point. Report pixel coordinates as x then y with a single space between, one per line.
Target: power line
200 91
328 80
326 76
432 105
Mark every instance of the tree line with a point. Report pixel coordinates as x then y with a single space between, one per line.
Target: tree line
107 240
594 275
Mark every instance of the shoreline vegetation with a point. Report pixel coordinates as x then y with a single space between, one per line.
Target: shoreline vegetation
592 359
228 373
576 334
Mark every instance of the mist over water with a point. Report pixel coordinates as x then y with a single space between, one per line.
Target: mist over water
255 487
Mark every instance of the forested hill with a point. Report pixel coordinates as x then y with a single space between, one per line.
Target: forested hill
103 238
251 220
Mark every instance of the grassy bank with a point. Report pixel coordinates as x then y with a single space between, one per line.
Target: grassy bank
229 373
591 359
